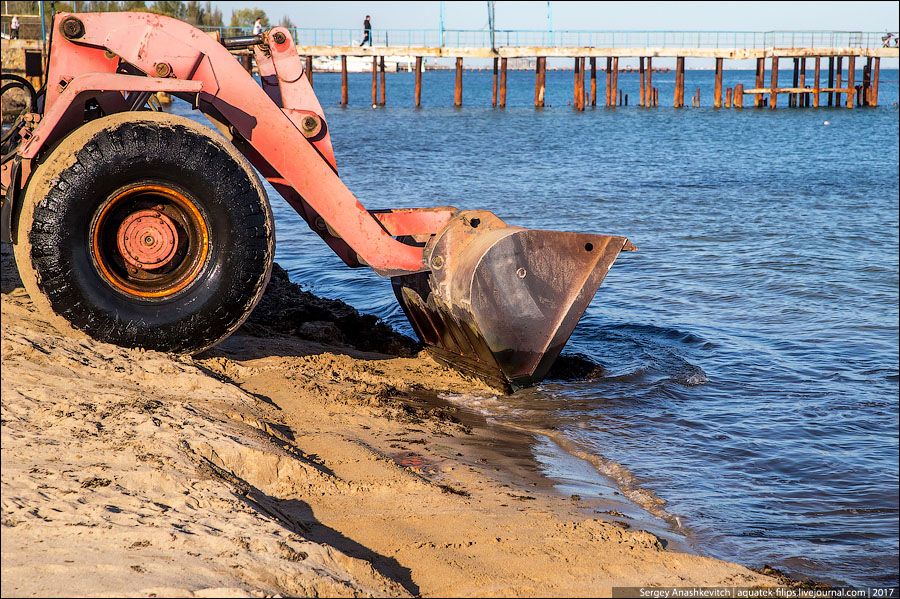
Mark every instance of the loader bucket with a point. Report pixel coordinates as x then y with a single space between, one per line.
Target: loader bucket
500 302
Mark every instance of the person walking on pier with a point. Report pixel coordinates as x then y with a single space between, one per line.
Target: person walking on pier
14 27
367 31
257 26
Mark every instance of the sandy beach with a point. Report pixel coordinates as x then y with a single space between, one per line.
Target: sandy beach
300 457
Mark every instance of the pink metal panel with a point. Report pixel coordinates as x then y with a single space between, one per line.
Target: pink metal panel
147 41
67 112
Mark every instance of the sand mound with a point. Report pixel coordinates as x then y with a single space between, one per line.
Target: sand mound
279 465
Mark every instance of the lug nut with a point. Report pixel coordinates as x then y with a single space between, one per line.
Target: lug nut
437 262
72 28
163 69
309 124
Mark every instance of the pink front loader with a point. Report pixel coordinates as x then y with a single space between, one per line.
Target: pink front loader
146 229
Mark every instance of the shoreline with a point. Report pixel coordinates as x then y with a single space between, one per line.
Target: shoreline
282 464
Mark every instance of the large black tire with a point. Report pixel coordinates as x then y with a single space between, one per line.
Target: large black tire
91 190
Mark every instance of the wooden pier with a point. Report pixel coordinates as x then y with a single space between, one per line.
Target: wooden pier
816 57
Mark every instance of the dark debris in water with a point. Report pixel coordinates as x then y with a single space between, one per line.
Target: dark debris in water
286 309
575 367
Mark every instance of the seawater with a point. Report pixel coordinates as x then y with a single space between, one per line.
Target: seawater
750 346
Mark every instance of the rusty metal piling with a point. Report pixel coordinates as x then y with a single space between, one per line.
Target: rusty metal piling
838 75
540 81
494 83
773 95
502 100
717 92
876 73
760 81
817 83
678 100
418 90
457 87
374 81
344 87
851 74
383 91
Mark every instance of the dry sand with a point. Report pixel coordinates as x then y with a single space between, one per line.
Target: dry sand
278 465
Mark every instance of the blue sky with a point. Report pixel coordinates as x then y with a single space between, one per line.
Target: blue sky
754 16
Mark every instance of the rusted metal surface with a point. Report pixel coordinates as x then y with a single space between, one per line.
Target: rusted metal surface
539 82
760 81
500 302
804 98
345 93
383 91
739 95
615 78
578 89
593 61
678 101
773 96
642 76
494 82
838 76
503 82
876 75
717 91
458 83
147 239
831 80
851 76
609 94
650 90
374 81
817 82
418 89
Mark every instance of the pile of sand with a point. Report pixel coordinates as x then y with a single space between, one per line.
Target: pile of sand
280 465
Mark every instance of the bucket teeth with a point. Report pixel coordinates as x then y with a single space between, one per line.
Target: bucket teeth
501 302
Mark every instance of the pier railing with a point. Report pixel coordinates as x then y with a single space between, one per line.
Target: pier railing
479 38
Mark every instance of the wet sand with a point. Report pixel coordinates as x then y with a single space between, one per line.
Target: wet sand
296 458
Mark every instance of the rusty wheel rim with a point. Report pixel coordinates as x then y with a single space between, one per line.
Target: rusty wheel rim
149 240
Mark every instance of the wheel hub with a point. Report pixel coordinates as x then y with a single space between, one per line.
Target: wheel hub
147 239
